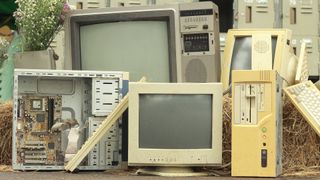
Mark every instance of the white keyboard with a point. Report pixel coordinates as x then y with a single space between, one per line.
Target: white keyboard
306 98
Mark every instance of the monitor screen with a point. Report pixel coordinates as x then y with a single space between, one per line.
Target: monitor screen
175 121
139 47
242 51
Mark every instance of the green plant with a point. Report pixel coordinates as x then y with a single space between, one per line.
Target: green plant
4 45
38 21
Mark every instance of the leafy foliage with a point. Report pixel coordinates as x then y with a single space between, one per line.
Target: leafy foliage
38 21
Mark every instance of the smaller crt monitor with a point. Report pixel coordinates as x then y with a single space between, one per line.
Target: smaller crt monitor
259 49
175 124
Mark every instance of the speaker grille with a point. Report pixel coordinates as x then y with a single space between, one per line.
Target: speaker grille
261 47
196 71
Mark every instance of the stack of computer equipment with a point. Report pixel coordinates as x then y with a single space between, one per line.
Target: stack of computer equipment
302 17
182 46
170 124
168 43
257 64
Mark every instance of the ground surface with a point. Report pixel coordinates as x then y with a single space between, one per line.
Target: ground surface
61 175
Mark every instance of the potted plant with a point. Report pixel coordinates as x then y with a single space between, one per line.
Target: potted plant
38 21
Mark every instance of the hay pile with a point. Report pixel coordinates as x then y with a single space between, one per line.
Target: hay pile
226 137
5 132
301 145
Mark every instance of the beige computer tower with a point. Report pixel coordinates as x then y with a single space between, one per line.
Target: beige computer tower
200 43
256 123
312 50
302 16
257 14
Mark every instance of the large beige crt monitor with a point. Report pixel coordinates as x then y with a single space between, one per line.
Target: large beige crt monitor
259 49
165 43
177 124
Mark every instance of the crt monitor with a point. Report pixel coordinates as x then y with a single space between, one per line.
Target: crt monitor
141 42
175 124
146 41
259 49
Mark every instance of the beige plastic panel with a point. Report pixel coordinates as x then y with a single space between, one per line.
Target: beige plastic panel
257 14
302 16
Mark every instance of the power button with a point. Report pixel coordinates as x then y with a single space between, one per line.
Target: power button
264 157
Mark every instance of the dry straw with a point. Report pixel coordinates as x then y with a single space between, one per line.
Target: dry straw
5 132
301 145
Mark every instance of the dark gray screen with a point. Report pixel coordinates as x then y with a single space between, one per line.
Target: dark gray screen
139 47
175 121
241 56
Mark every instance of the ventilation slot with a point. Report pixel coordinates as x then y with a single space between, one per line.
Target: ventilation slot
265 75
248 14
293 15
306 10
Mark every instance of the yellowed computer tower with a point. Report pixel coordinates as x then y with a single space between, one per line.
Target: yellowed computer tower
256 123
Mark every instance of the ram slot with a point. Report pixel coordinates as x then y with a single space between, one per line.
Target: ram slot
50 113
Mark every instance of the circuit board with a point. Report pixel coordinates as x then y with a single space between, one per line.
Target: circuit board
36 142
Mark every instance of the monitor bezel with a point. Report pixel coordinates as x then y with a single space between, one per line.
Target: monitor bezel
79 18
175 157
280 56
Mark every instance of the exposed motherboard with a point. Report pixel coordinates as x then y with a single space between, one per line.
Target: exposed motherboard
36 142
